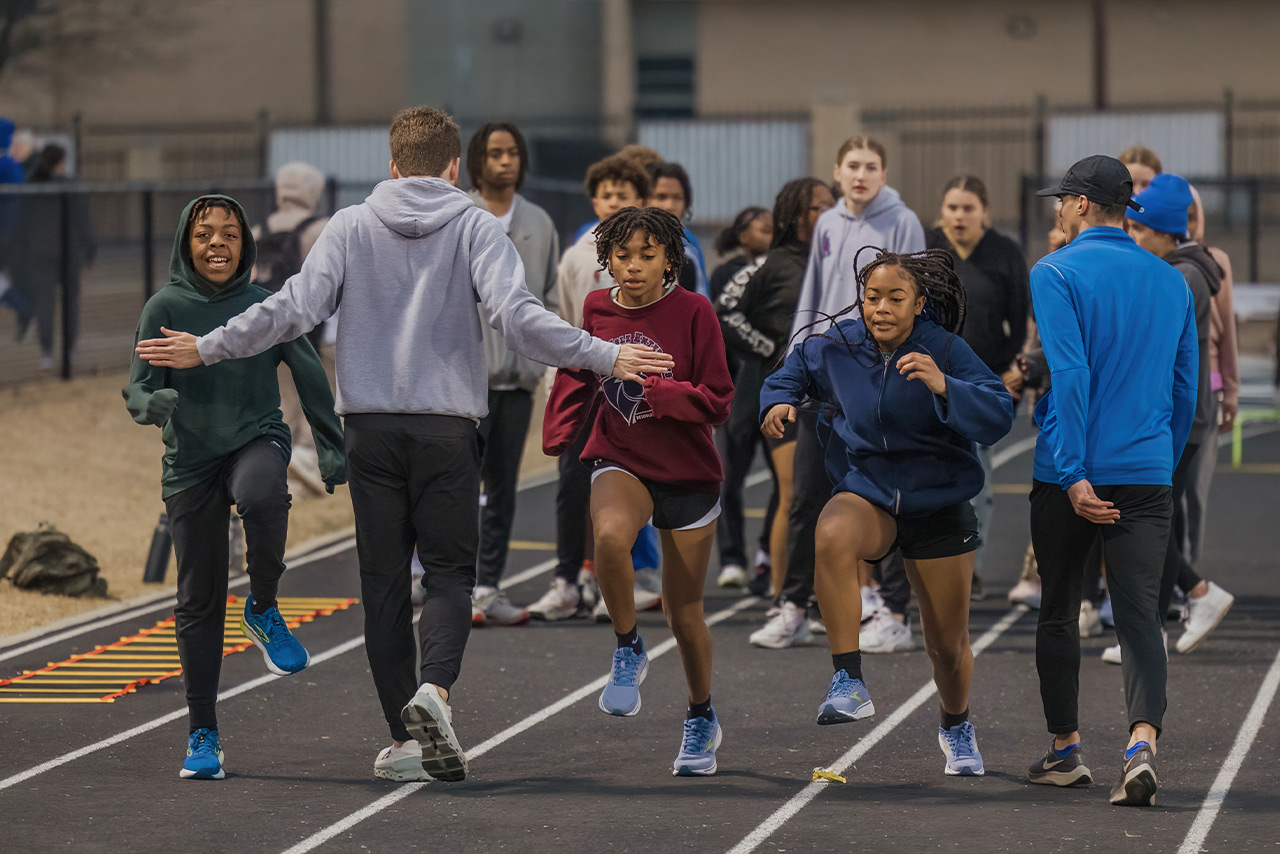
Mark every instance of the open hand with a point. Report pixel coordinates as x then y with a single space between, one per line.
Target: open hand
920 366
636 359
1089 506
776 419
175 350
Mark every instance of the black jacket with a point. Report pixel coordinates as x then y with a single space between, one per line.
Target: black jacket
1204 278
997 296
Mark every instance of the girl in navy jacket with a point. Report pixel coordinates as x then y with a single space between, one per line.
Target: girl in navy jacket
912 400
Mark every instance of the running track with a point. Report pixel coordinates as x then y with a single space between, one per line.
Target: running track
549 772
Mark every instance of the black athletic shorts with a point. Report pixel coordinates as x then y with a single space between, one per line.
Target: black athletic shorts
948 532
674 507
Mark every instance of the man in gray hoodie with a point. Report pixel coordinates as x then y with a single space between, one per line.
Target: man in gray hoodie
408 268
870 214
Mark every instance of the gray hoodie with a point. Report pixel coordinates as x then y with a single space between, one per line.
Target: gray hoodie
830 280
408 267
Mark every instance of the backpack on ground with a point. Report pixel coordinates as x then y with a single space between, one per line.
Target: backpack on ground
46 560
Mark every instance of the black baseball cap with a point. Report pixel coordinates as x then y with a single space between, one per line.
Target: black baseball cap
1101 179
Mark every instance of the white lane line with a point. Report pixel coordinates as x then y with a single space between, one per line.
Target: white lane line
316 840
354 643
1235 758
784 813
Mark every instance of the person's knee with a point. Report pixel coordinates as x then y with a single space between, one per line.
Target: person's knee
687 623
263 499
613 535
831 539
948 653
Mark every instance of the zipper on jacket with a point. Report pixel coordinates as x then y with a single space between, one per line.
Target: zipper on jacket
884 438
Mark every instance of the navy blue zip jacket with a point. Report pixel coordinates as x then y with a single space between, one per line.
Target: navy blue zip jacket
906 449
1118 326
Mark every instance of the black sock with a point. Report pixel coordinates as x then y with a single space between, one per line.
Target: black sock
700 710
631 639
849 662
950 720
260 606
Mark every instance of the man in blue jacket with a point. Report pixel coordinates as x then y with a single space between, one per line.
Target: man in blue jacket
1112 428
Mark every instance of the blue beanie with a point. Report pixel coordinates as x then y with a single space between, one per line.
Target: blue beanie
1164 204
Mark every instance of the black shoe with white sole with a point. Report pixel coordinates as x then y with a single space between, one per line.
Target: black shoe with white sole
1137 785
1055 770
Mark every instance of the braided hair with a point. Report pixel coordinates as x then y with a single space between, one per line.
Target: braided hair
661 227
934 274
790 207
731 238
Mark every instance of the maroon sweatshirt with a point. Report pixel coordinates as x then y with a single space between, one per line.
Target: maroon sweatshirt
660 430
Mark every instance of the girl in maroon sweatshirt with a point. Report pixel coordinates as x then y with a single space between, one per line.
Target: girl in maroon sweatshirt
652 455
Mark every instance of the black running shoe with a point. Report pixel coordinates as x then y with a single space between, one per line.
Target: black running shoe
1137 785
759 584
1055 770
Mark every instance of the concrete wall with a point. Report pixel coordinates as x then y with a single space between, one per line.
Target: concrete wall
755 56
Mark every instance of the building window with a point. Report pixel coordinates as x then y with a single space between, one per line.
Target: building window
664 87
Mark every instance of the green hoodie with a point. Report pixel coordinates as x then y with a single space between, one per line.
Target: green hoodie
211 411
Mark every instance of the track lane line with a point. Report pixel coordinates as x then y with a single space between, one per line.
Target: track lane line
860 748
319 838
1235 759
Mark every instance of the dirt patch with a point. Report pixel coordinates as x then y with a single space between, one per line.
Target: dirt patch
70 455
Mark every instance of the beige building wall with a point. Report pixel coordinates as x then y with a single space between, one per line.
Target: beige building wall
224 61
768 56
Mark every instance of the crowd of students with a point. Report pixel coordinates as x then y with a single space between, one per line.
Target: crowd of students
872 362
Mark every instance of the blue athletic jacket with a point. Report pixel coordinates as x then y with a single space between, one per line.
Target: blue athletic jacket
1118 326
906 449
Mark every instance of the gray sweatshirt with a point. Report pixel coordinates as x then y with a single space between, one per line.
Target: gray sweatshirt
408 268
830 280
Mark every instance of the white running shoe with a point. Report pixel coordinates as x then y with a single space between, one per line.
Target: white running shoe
430 720
789 628
1205 614
600 613
648 589
817 626
560 602
885 634
402 764
1090 620
495 609
732 575
588 587
1112 654
1026 593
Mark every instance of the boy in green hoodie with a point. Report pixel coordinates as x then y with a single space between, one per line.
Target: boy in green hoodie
225 443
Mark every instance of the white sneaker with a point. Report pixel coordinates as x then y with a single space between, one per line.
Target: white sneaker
732 575
495 609
871 601
1026 593
560 602
1090 620
817 627
600 613
1112 654
418 595
648 590
430 720
402 764
885 634
588 588
1205 614
789 627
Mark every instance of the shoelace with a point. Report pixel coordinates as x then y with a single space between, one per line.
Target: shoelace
276 629
625 668
206 743
697 732
960 739
844 685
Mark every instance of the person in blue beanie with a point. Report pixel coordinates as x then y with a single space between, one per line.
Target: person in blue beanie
911 400
1111 429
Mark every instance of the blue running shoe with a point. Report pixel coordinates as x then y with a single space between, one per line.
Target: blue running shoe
960 744
847 700
280 649
698 747
204 757
621 695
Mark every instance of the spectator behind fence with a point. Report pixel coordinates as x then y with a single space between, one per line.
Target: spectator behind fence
10 173
44 262
284 241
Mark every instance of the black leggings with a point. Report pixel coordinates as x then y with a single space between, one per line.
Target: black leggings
252 478
415 481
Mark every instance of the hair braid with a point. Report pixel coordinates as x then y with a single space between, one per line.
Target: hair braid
790 207
662 228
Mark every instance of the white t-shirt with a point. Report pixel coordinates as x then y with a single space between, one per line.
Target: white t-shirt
505 219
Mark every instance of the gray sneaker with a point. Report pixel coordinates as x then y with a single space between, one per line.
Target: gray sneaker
560 602
1055 770
430 721
648 589
491 607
